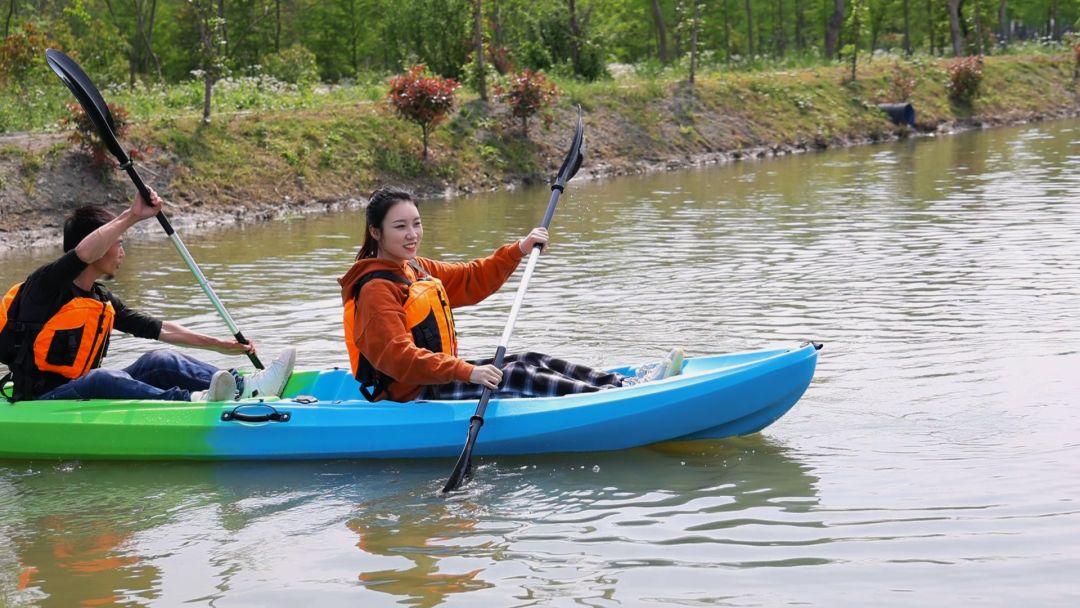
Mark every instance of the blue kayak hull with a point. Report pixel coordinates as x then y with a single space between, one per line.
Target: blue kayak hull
714 397
323 416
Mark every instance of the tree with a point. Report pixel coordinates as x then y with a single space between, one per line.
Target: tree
832 29
1003 23
210 17
140 26
750 28
694 27
954 27
907 28
856 27
10 16
800 25
424 100
478 34
661 32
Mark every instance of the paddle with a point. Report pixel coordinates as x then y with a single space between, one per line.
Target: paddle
569 168
98 111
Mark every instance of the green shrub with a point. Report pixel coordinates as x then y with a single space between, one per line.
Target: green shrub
295 65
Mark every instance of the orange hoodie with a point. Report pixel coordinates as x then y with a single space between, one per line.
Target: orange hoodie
379 326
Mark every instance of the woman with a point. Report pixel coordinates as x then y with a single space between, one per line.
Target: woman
399 328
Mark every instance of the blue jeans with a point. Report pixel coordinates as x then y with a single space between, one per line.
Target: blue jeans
162 374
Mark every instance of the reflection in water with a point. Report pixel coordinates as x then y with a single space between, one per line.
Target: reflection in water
933 459
418 534
102 534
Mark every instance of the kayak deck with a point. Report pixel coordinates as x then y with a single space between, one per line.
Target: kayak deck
322 415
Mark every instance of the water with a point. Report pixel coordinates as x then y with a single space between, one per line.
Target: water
933 460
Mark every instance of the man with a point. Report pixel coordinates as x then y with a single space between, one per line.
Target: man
54 329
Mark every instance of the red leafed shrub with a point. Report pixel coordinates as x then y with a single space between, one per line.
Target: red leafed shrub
425 100
528 93
21 56
965 76
86 136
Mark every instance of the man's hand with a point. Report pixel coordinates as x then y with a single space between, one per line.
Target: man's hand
175 333
142 210
232 347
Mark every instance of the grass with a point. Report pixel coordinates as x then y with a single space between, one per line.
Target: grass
268 141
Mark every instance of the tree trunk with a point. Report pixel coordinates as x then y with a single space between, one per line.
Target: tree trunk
478 34
277 26
931 24
575 33
208 93
856 27
661 32
693 39
907 28
800 25
354 39
954 28
1003 22
750 30
978 27
10 16
832 30
727 32
1053 29
424 135
147 35
781 42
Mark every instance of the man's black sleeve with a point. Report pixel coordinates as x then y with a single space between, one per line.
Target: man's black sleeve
53 279
140 325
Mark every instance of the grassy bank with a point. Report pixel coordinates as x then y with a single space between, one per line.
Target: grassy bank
277 160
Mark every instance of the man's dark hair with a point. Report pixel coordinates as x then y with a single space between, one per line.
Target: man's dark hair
82 222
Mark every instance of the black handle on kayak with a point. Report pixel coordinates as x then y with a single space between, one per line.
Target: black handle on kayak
238 414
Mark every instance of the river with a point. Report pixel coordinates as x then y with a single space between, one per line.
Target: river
933 460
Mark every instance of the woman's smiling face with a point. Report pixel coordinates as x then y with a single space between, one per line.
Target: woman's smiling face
401 232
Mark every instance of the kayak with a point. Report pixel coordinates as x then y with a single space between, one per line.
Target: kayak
321 415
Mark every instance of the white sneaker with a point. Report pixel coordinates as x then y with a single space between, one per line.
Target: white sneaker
222 388
669 366
675 360
272 380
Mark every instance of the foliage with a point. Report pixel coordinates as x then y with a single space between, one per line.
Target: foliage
965 76
903 81
528 93
21 56
295 65
422 99
85 134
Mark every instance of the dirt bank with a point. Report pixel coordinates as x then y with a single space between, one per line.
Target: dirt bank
250 168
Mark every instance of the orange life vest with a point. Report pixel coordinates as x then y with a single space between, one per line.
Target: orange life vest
69 343
427 317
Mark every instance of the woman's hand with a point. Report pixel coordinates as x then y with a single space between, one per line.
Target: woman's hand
537 236
487 375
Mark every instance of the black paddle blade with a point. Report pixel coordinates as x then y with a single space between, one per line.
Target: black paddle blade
464 462
88 97
574 157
